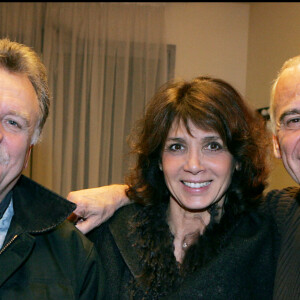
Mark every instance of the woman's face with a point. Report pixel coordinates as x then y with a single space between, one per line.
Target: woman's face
197 168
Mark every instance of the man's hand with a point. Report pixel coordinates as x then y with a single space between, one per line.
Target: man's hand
96 205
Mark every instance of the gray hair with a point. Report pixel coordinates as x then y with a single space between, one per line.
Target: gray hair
19 58
292 62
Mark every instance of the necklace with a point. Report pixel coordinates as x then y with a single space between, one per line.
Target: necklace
190 237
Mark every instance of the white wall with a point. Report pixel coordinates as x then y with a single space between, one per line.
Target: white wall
243 43
210 39
274 30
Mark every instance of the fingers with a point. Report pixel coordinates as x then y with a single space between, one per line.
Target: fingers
85 225
73 217
96 205
82 224
72 196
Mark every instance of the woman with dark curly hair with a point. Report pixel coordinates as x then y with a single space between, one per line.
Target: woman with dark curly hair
195 229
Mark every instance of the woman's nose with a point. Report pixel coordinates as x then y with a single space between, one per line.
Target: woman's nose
194 162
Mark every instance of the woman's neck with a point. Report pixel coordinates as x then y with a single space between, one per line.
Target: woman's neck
186 226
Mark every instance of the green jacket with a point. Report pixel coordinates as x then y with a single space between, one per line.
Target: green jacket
43 255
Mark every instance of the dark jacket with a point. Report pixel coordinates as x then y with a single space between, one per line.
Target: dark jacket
43 255
244 269
285 206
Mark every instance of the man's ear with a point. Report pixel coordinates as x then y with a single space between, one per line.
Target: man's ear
27 157
276 147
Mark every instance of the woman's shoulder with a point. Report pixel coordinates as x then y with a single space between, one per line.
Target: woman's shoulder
117 224
124 213
121 219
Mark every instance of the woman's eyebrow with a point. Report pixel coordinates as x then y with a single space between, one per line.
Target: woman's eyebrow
175 139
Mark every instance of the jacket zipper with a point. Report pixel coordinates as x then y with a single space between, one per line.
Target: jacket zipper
8 244
12 240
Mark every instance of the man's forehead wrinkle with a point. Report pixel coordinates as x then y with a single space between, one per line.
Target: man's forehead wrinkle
16 112
287 95
290 91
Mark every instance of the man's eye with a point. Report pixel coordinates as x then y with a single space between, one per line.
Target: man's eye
13 123
293 123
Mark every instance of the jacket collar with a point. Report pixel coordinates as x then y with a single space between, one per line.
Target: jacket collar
36 208
119 226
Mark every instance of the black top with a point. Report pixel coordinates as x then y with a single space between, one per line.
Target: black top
235 259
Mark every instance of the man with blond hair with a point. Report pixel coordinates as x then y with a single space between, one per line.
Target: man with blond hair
42 256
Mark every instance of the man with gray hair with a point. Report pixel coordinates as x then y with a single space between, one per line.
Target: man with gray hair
285 122
42 256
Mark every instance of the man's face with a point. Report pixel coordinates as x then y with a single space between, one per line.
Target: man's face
19 112
286 142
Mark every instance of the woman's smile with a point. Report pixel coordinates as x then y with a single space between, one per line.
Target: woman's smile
196 185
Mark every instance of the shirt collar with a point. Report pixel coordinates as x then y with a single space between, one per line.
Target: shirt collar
4 204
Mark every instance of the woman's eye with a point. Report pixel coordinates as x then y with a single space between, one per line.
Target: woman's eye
213 146
175 147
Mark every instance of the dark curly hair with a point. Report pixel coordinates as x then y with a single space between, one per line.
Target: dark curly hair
210 104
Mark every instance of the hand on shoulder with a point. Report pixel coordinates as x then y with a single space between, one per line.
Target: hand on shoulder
96 205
